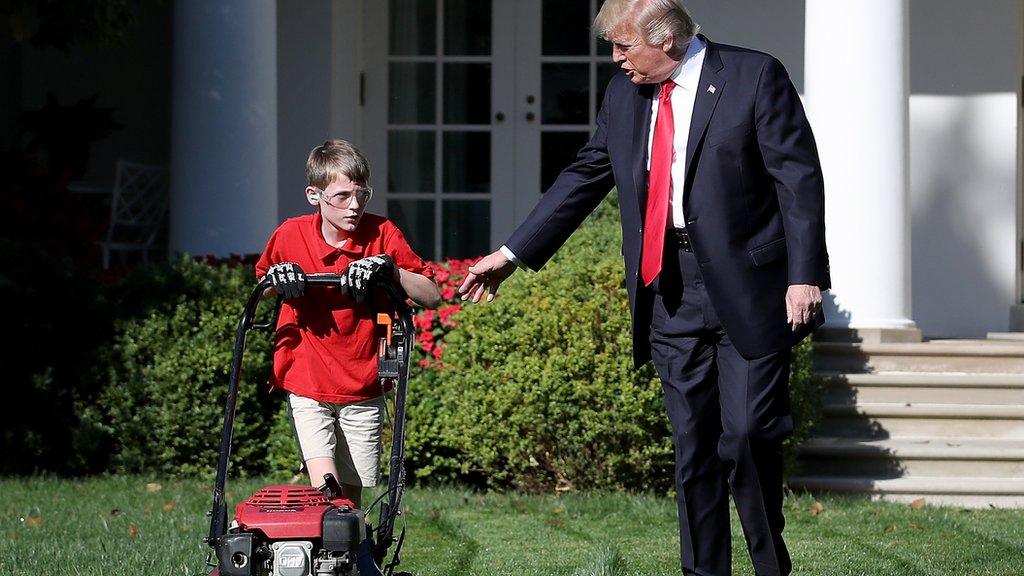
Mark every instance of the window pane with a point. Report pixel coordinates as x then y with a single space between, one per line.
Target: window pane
467 93
467 162
413 27
467 27
415 218
411 161
565 92
466 228
558 150
413 92
565 28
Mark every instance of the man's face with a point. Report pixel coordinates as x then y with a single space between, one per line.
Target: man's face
642 63
341 204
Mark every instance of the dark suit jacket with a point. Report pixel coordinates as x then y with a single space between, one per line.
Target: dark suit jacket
753 196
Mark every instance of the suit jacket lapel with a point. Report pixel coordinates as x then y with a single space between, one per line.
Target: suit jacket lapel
641 128
709 89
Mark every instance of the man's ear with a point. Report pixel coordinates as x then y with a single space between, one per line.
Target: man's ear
312 195
669 45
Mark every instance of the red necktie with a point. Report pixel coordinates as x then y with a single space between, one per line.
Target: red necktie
658 184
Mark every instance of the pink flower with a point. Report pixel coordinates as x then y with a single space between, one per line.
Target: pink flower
424 320
446 314
426 341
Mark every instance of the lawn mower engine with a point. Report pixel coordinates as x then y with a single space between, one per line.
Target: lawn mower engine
294 531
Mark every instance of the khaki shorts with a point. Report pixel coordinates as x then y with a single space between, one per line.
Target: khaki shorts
349 433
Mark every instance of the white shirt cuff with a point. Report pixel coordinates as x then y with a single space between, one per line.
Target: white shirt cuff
512 257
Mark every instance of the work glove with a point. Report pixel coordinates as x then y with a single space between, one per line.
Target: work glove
361 274
288 279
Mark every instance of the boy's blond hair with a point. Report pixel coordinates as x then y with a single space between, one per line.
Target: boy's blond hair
336 158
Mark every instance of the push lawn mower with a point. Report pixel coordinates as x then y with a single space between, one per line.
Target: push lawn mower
300 530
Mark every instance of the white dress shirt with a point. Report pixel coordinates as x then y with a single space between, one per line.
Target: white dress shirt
686 76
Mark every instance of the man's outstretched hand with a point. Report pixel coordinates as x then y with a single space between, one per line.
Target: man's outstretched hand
485 276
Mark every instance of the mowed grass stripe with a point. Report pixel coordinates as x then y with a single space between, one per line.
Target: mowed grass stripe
115 526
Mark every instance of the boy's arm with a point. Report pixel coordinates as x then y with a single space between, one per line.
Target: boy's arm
421 289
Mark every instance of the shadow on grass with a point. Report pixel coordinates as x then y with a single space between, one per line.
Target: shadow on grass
605 562
464 548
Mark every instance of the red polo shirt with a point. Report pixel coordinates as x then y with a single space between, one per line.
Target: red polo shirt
326 343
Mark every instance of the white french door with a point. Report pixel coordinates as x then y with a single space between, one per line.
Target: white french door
472 109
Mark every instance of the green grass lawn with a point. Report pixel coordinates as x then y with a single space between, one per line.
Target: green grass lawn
119 526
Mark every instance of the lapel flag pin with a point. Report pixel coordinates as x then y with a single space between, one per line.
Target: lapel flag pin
711 88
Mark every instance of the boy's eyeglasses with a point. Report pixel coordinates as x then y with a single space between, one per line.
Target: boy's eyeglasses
343 198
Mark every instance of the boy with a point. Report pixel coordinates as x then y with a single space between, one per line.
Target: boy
325 347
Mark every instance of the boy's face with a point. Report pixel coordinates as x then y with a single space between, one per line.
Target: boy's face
341 204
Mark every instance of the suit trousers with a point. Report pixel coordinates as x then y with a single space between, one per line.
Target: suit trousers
729 416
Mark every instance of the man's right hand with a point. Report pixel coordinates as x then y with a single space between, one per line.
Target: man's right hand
485 276
288 279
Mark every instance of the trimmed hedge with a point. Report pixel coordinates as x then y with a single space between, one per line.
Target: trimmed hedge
163 406
534 391
537 390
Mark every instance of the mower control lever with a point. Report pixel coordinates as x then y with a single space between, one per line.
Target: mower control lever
330 487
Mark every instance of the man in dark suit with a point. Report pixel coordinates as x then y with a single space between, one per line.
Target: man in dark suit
722 211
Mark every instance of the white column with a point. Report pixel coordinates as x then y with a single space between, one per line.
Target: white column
224 132
856 90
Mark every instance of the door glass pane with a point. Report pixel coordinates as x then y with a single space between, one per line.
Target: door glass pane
467 162
565 28
467 27
413 91
467 93
467 228
411 161
413 27
565 93
415 218
558 150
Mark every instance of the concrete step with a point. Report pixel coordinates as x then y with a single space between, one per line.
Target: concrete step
893 420
971 492
931 387
913 457
956 356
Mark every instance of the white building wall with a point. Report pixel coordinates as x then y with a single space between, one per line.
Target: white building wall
963 196
303 95
965 73
964 79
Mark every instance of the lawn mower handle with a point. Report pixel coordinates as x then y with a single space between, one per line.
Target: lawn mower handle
218 512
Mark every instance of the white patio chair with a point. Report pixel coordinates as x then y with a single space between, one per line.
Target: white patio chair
138 207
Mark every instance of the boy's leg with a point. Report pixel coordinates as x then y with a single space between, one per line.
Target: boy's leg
359 445
314 426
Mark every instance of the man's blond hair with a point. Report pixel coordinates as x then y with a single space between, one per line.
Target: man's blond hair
653 20
335 158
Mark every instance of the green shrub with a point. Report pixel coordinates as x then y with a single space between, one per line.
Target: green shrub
537 390
55 324
805 395
163 406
